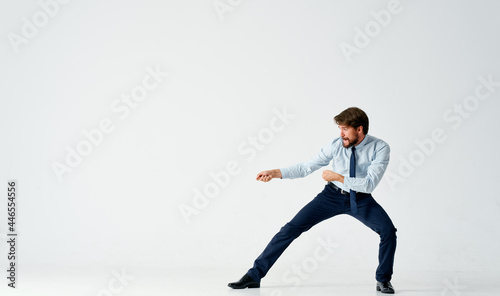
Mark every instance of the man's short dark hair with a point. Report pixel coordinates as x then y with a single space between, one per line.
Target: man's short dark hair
354 117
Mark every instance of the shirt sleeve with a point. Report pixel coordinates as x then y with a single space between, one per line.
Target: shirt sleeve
374 172
303 169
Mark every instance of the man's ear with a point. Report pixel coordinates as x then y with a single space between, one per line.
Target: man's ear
359 129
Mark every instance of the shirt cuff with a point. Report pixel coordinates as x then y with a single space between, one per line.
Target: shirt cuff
348 182
285 173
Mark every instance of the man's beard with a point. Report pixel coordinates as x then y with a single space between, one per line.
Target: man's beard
350 143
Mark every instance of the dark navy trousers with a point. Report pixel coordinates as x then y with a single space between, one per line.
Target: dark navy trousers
327 204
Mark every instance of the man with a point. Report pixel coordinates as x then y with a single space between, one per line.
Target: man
359 162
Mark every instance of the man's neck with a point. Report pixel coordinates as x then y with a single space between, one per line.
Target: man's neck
360 140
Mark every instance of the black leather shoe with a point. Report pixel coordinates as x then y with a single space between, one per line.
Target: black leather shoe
245 282
385 287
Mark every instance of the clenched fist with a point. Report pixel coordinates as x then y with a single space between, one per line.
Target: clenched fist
266 176
332 176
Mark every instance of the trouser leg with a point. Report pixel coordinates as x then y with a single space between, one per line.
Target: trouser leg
374 216
325 205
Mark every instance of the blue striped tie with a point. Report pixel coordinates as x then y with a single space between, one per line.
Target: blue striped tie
352 173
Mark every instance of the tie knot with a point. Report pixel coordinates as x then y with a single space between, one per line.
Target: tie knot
353 148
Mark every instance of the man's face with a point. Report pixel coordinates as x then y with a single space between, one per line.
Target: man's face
349 135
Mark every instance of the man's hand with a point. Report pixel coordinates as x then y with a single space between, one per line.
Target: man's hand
266 176
332 176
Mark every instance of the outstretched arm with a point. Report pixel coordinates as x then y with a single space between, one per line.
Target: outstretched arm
303 169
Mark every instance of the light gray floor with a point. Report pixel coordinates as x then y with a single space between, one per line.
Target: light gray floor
206 282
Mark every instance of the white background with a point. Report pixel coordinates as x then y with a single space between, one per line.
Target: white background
229 73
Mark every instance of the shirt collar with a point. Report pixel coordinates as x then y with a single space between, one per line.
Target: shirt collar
363 143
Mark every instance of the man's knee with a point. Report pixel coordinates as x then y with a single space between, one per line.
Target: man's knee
388 233
294 230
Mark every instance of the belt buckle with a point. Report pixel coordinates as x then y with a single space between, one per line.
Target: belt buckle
338 189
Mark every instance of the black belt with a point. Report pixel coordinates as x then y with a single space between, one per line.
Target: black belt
339 190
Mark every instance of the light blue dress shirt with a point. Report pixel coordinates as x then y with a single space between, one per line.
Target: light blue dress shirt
372 159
